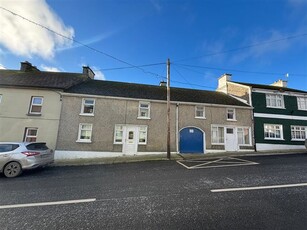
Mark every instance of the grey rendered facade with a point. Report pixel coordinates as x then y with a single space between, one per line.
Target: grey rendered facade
280 113
115 116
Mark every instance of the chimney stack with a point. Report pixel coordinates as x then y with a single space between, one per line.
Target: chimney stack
222 82
27 67
89 72
280 83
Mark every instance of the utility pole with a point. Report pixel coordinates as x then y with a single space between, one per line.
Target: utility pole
168 148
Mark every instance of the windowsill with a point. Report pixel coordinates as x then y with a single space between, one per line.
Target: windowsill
83 141
217 143
302 109
87 114
142 143
203 118
34 114
244 145
231 120
144 118
117 143
271 107
274 139
297 139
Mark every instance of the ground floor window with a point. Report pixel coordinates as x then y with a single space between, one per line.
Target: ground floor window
217 134
30 134
244 137
118 134
272 131
298 133
143 135
85 132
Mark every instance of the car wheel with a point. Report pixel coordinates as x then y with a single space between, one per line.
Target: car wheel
12 169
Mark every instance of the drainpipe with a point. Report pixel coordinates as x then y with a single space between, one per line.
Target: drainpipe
177 127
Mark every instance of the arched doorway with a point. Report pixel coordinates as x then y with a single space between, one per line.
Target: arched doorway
192 140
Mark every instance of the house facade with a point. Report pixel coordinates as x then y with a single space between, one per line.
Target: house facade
280 113
31 102
105 118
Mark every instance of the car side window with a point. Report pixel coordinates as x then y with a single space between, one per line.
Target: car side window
37 146
7 147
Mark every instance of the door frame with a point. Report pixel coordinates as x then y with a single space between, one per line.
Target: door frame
126 130
235 139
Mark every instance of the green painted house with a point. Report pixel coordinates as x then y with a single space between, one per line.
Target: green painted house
279 113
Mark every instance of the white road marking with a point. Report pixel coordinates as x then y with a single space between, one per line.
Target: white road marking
47 203
259 187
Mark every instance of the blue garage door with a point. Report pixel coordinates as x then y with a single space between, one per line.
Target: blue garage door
191 140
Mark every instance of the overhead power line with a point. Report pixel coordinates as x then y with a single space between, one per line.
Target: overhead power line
130 67
234 70
243 47
82 44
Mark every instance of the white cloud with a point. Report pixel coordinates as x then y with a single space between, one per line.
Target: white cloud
2 66
24 38
50 68
98 74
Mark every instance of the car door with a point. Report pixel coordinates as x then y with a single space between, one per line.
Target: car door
6 151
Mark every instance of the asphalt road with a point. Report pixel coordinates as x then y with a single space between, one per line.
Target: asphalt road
160 195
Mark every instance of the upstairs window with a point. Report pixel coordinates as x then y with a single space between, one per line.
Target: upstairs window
144 110
88 106
231 114
199 111
298 133
302 103
273 132
274 101
36 105
30 135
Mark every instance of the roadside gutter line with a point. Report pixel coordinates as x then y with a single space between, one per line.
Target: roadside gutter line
259 187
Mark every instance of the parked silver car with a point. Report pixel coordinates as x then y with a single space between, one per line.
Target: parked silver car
18 156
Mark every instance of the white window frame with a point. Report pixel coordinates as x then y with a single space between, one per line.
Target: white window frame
145 131
33 104
301 103
119 128
30 136
201 109
301 130
269 97
233 112
80 130
249 136
142 108
280 128
223 131
0 98
84 104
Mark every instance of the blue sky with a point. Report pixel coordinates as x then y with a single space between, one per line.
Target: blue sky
257 41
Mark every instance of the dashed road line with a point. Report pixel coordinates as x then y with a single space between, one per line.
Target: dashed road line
47 203
259 187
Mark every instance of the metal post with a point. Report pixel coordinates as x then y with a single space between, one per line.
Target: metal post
168 111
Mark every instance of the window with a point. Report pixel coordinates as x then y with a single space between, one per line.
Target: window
199 112
36 105
243 136
273 132
274 101
298 133
302 103
217 135
143 135
30 135
88 106
0 98
85 133
144 110
118 134
231 114
8 147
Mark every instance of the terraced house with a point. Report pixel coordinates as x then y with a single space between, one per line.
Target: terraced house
106 118
280 113
31 101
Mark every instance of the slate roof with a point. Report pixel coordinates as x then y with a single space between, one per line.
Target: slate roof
141 91
270 87
40 79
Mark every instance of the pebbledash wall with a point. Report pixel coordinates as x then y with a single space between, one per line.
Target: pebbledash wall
112 111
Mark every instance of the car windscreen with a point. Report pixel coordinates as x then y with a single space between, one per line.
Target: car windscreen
8 147
37 146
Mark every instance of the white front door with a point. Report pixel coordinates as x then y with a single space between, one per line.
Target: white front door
231 141
130 144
